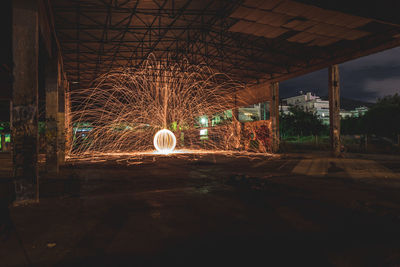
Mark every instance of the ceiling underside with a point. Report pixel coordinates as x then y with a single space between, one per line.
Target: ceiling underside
252 40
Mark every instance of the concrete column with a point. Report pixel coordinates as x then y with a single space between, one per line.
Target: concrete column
25 99
51 116
236 127
61 117
68 122
274 114
334 109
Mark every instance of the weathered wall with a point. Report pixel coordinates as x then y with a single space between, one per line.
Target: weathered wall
254 94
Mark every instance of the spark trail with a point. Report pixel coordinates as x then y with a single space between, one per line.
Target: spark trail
126 107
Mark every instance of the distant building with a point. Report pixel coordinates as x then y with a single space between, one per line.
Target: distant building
360 111
355 113
300 100
284 110
345 114
312 103
308 102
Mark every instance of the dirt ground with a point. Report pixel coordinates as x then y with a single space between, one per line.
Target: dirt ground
209 210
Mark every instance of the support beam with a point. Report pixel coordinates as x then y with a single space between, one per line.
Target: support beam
51 78
236 125
61 116
68 120
334 109
25 100
274 113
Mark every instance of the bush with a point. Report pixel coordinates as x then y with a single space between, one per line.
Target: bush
301 123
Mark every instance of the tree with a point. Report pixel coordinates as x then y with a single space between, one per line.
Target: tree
383 119
352 125
301 123
5 127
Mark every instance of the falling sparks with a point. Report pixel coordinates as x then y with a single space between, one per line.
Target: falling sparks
127 107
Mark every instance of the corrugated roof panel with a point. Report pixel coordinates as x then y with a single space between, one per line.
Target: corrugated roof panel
323 41
241 12
326 29
293 23
359 22
305 25
312 12
274 32
324 15
243 27
346 20
239 26
291 8
253 3
303 37
256 15
274 19
336 31
257 29
266 5
355 34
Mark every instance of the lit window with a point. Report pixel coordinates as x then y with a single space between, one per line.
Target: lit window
203 132
204 121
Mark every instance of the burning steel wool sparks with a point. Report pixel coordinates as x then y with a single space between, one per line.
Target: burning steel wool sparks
127 107
164 141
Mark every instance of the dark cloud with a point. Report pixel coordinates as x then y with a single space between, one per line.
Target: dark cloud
366 79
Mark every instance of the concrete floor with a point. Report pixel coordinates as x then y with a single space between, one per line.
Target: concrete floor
211 210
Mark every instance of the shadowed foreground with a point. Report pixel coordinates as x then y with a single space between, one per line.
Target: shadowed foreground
211 210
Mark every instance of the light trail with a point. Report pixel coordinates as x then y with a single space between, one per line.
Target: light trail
164 141
128 106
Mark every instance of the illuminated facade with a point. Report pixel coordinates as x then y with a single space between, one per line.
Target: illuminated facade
312 103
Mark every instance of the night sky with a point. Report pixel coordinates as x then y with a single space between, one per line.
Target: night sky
365 79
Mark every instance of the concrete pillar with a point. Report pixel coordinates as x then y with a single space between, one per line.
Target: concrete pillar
51 78
334 109
61 117
25 100
68 121
236 127
274 114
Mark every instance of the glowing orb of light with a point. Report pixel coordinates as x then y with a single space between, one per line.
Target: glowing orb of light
164 141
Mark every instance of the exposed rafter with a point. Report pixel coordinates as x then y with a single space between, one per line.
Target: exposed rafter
248 39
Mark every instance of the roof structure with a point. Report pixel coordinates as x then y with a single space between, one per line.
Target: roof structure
252 40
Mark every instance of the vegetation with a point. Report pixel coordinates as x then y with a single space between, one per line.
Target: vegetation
5 127
382 119
351 126
301 123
